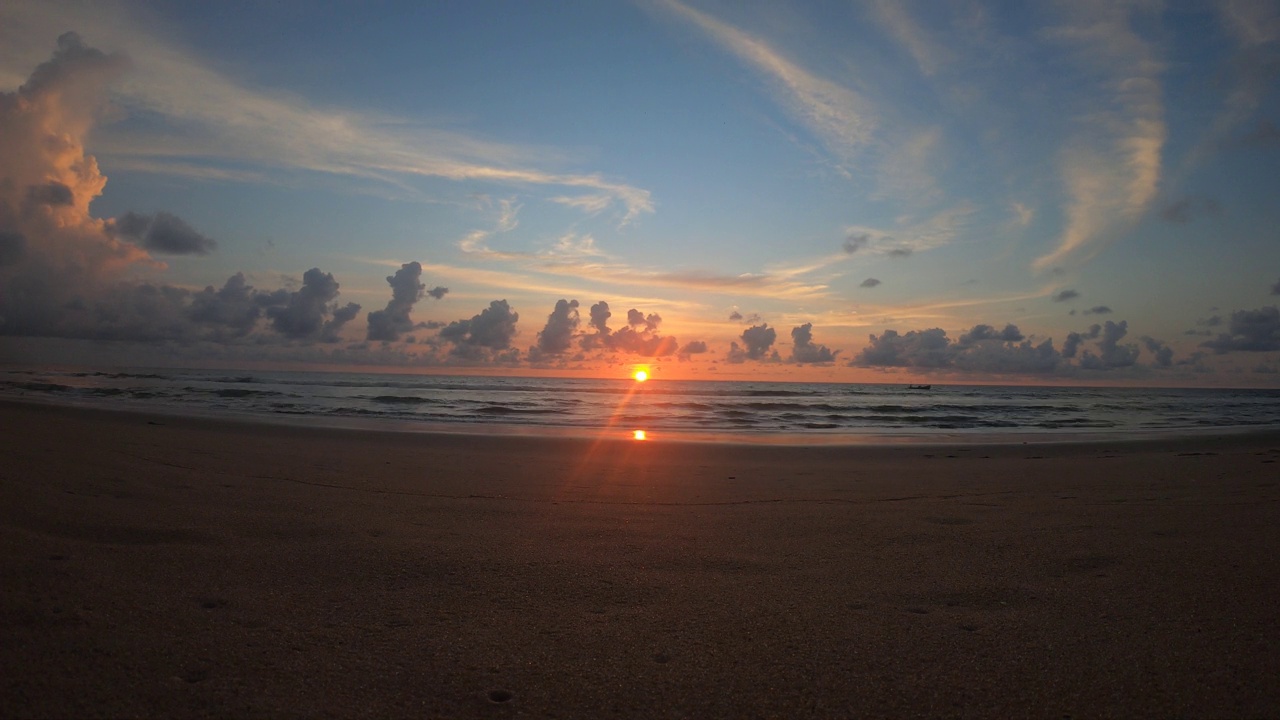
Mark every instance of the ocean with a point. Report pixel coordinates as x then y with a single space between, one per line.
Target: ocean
804 412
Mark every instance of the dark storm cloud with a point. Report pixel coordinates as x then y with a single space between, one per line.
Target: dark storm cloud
485 334
1066 295
869 283
804 350
162 233
758 339
1098 310
557 335
406 289
1249 331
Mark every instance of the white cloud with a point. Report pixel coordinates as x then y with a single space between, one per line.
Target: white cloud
1112 167
200 119
837 115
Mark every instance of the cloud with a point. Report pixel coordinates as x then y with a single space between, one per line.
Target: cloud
854 243
1112 166
983 349
901 252
1249 331
804 350
162 233
838 116
307 313
695 347
438 292
557 335
1184 210
389 324
1163 354
1110 353
869 283
1098 310
751 319
1275 289
201 121
485 335
758 340
893 16
1066 295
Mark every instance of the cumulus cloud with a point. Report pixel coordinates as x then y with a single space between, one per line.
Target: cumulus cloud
640 336
1249 331
307 314
804 350
1066 295
983 349
869 283
485 335
1162 354
1111 354
695 347
758 340
406 290
557 335
161 233
54 255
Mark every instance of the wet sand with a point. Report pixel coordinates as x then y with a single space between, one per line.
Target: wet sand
169 567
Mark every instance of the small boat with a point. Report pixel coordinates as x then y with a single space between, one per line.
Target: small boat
919 387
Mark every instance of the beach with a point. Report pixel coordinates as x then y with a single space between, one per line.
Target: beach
162 566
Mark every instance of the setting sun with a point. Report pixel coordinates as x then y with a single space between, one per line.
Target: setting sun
638 435
641 375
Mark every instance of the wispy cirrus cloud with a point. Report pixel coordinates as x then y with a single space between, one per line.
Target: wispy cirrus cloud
1112 167
841 118
196 121
895 17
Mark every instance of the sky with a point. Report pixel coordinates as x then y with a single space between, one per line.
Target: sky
863 191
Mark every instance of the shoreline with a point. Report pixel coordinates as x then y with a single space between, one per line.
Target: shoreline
191 567
815 439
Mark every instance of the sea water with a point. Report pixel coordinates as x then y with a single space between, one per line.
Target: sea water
813 410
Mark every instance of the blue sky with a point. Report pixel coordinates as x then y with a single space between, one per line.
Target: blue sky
896 182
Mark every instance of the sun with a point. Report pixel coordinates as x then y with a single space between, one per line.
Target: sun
641 375
639 435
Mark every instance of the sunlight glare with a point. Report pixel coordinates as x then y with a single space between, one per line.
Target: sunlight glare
638 435
641 375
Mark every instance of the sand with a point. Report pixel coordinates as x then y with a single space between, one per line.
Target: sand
169 567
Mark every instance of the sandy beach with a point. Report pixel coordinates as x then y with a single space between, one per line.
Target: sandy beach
157 566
